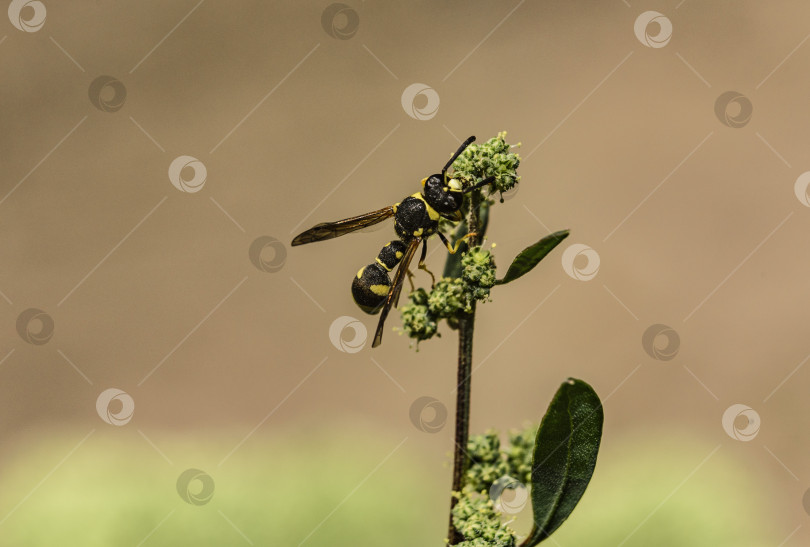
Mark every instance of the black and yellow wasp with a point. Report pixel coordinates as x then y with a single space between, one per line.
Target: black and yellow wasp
416 218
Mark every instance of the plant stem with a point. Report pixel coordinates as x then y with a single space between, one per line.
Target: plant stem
466 328
465 345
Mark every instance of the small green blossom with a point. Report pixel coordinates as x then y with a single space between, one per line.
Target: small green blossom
417 321
450 296
520 453
492 158
447 298
484 447
487 463
478 273
419 297
475 517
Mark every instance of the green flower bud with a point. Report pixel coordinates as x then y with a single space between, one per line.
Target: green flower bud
474 516
478 273
484 448
417 321
447 298
492 158
487 462
520 453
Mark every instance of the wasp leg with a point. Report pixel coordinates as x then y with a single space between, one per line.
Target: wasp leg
423 266
453 249
410 280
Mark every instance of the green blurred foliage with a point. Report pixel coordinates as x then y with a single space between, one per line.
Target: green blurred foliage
116 489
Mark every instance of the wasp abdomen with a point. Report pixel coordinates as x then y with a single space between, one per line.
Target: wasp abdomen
391 254
371 284
370 287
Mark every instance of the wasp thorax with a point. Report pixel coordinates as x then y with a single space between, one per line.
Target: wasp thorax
415 218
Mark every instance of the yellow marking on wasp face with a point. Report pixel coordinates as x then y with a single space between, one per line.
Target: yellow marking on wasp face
360 272
379 290
395 206
381 263
432 213
399 254
424 180
418 232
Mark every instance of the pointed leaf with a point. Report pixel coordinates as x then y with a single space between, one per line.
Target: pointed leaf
564 456
532 255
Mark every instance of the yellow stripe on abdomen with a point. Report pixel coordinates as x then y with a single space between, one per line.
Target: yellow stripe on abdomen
379 290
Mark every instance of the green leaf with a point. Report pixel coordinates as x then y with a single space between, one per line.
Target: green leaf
564 456
532 255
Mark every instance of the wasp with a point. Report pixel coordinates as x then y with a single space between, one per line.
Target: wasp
416 218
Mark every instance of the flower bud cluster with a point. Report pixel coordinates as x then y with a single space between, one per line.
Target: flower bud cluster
475 515
492 158
450 297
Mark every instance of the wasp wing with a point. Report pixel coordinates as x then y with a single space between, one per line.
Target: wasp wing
330 230
396 287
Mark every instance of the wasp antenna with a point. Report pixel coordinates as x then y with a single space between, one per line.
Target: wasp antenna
488 180
461 149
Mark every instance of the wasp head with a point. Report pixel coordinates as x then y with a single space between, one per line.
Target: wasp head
443 195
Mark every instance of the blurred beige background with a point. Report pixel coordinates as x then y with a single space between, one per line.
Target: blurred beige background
151 290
